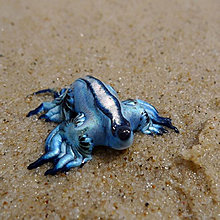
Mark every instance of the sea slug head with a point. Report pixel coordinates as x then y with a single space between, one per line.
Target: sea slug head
122 136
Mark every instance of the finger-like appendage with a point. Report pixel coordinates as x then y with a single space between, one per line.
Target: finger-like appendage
154 116
165 122
44 159
55 143
54 152
157 129
54 115
74 163
63 151
60 164
57 118
160 128
45 106
50 136
53 92
53 111
154 129
150 109
146 131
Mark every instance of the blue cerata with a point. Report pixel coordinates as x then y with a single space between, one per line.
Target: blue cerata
89 113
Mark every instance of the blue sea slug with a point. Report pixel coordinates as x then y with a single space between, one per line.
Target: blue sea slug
89 113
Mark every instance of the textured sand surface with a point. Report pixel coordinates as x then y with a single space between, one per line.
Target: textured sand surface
166 52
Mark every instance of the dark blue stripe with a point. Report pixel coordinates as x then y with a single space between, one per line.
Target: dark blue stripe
102 108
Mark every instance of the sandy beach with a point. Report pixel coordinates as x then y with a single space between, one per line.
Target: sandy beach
166 52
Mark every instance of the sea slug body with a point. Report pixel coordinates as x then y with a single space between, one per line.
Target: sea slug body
89 113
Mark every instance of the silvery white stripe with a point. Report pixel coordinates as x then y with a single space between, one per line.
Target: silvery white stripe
107 101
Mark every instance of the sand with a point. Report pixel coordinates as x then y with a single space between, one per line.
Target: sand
165 52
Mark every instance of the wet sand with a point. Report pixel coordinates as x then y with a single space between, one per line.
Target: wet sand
164 52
